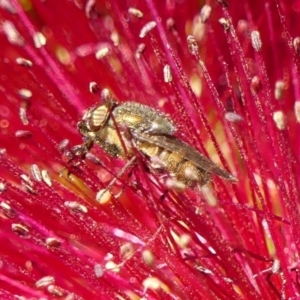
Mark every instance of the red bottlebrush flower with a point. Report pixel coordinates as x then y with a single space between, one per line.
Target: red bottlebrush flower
226 74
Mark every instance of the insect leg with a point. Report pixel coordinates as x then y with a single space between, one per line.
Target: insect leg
113 181
82 149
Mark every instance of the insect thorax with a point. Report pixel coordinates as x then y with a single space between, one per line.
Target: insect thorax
134 117
141 118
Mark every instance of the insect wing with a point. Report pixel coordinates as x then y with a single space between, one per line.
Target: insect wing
174 144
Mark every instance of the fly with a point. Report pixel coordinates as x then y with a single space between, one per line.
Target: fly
153 134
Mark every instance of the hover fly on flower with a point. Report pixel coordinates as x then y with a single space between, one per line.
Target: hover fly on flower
152 133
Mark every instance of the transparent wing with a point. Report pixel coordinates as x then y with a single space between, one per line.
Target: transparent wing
174 144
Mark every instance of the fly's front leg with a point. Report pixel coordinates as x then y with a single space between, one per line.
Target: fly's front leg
78 152
82 149
101 193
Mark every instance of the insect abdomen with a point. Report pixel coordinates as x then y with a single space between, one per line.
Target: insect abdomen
184 170
175 164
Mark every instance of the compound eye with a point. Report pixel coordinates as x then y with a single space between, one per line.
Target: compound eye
97 118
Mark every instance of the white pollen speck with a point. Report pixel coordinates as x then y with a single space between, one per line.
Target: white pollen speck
297 110
279 89
23 134
192 45
12 34
135 12
103 196
146 28
255 40
275 266
167 73
233 117
296 44
73 205
46 177
205 13
100 53
225 23
139 51
25 93
39 40
7 5
44 282
23 116
36 173
98 270
24 62
279 119
2 187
